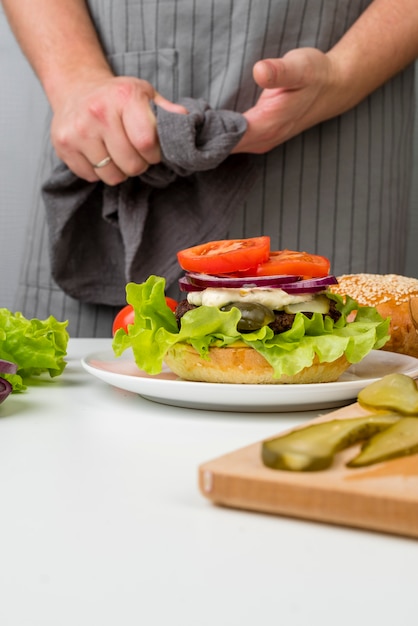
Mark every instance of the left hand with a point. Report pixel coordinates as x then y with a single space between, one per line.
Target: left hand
299 91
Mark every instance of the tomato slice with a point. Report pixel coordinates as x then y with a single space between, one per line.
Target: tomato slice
225 256
292 262
126 316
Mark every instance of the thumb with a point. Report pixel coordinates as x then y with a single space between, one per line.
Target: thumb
168 105
267 73
290 72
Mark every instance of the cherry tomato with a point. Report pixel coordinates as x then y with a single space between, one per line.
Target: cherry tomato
292 262
171 303
126 315
225 256
123 318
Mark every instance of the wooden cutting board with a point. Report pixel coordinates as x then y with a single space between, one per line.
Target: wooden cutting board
383 497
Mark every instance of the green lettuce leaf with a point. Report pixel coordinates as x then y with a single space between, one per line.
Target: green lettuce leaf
36 346
155 330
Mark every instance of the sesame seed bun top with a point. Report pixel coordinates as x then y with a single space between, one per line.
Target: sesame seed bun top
390 294
373 289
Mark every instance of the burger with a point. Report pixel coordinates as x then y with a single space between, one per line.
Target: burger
249 315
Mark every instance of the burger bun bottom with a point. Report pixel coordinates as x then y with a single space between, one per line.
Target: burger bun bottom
242 364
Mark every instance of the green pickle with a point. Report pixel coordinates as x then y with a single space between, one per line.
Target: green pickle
253 315
313 448
385 436
394 392
399 440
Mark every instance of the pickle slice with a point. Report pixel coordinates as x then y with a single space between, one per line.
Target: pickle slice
398 440
394 392
313 448
253 315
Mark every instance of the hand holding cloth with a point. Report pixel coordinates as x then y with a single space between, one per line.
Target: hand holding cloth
102 237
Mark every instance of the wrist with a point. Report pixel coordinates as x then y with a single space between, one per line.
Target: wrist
345 90
61 83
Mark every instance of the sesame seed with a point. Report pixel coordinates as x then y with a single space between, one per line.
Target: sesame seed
373 289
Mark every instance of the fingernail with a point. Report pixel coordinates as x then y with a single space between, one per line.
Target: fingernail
268 71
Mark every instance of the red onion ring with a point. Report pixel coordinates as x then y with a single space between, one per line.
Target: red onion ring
289 284
310 285
5 389
188 287
7 367
203 281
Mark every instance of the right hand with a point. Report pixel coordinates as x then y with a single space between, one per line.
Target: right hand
299 91
109 116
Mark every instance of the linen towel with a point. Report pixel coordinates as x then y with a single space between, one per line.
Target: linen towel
102 237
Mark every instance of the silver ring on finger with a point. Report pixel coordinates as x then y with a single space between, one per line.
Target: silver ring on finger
102 163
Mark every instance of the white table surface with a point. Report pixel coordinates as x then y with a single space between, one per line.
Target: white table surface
102 523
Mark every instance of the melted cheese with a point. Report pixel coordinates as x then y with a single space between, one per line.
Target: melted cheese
274 299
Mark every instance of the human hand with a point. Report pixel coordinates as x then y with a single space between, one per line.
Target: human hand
299 91
108 117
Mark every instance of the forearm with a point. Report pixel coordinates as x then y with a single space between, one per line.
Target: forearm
59 41
381 43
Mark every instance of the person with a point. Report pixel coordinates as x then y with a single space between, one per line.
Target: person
326 89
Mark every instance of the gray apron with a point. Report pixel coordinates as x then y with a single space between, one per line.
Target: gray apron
340 189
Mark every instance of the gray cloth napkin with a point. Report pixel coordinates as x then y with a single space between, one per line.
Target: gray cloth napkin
102 237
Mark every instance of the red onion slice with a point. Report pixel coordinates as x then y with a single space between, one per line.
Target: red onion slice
7 367
311 285
291 284
203 281
186 286
5 389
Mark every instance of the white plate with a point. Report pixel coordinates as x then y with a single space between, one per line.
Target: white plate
167 388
